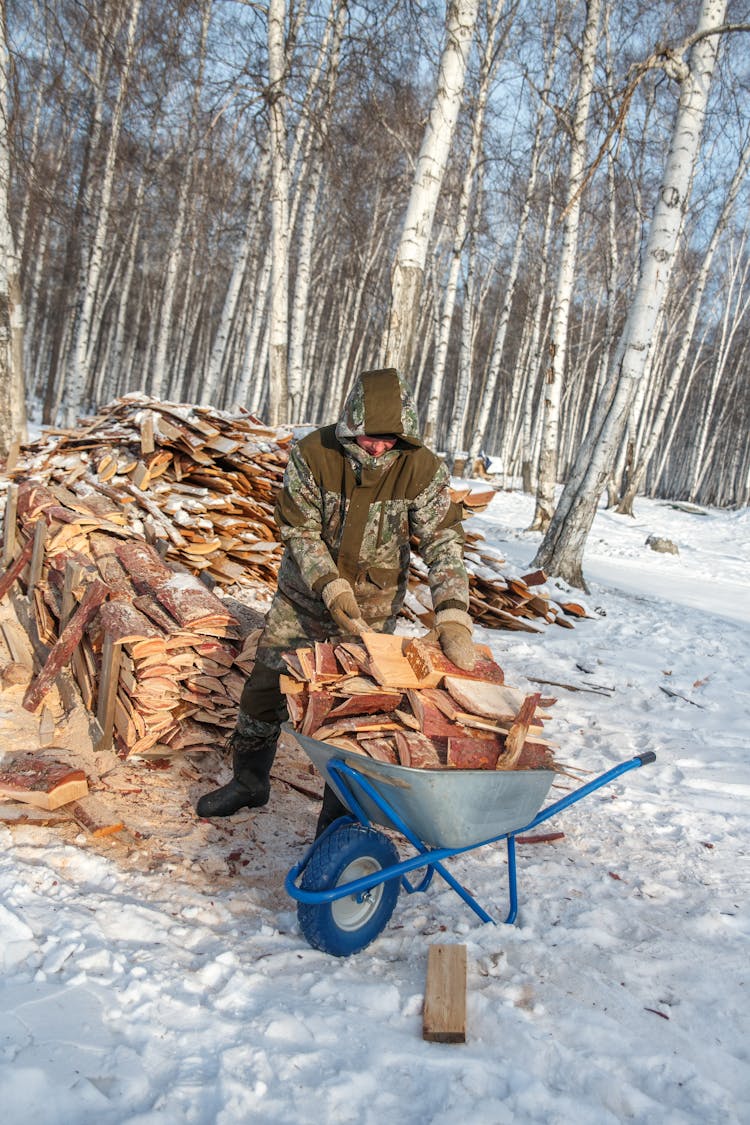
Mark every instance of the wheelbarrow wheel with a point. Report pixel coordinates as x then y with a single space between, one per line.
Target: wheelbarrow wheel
351 922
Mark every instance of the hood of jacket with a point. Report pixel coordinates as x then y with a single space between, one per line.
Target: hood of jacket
379 403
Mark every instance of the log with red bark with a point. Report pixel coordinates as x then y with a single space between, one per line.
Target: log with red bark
15 570
66 644
42 781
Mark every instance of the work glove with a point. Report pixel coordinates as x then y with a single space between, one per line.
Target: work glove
454 629
342 605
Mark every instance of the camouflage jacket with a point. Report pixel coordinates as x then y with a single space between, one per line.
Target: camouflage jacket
343 513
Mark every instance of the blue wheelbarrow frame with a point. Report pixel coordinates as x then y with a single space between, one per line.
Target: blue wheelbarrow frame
353 785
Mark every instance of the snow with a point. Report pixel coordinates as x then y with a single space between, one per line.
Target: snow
169 982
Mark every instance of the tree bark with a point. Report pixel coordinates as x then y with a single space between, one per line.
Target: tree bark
408 269
278 375
83 338
12 391
566 277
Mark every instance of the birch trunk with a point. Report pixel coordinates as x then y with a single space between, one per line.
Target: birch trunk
730 321
83 339
488 396
455 439
221 345
13 417
331 46
735 311
488 65
160 366
547 477
408 269
561 551
278 386
533 368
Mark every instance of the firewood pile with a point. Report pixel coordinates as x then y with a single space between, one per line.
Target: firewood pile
197 483
124 532
402 701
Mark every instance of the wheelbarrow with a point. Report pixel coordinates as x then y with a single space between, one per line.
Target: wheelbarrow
347 883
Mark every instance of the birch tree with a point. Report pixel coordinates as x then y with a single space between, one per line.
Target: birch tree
687 333
160 367
278 385
92 263
691 65
488 395
318 135
13 418
488 64
408 270
566 276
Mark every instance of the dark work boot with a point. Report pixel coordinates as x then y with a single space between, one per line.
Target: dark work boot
249 788
331 809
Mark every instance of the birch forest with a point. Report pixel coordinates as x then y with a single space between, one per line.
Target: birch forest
537 211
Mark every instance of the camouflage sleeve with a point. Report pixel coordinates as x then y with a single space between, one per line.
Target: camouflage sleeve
299 518
436 521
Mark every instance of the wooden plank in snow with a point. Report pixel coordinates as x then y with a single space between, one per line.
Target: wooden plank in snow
444 1014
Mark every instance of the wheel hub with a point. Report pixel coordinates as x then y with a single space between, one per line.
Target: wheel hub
353 911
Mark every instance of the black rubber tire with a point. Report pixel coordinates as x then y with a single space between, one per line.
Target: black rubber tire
345 926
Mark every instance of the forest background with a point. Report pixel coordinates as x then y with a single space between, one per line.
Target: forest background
244 204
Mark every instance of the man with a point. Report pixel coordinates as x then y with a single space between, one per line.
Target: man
354 495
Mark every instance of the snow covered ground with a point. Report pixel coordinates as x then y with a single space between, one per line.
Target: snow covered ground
176 988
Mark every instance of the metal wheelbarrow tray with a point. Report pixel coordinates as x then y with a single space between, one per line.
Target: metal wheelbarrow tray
347 883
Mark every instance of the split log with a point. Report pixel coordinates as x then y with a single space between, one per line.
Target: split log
67 643
359 723
360 703
495 701
94 816
380 749
126 624
318 705
518 732
17 568
473 753
417 751
432 722
388 662
430 665
326 665
43 782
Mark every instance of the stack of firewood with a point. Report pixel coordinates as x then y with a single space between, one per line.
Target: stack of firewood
401 701
198 483
119 529
148 642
